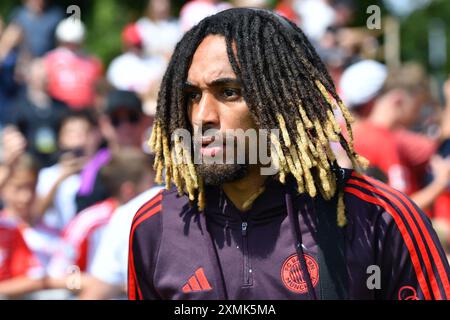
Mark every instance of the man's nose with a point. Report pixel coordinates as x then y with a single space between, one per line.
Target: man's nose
206 113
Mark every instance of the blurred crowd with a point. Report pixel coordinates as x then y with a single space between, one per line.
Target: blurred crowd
75 166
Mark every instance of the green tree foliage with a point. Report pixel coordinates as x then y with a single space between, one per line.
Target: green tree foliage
414 32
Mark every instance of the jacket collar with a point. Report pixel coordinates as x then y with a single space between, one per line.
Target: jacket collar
270 203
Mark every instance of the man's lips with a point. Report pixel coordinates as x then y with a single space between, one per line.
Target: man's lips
207 140
208 150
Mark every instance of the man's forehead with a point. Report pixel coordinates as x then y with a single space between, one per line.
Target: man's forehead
210 62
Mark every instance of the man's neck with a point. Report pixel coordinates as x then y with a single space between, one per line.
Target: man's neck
243 192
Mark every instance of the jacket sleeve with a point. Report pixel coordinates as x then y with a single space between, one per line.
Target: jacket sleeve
145 239
412 262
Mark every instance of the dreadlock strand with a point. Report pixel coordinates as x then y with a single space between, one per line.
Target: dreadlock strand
291 167
341 218
330 154
306 121
323 159
159 172
329 131
158 140
167 162
302 143
295 152
303 154
348 120
276 143
305 139
177 178
191 169
332 180
320 134
153 137
300 185
201 195
324 178
362 162
309 181
332 120
283 129
331 101
282 176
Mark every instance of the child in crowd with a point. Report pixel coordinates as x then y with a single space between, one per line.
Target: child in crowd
21 248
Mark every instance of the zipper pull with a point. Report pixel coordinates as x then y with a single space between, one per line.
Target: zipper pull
244 228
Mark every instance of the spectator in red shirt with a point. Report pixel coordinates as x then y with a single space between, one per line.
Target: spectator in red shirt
72 74
441 207
20 269
384 104
361 86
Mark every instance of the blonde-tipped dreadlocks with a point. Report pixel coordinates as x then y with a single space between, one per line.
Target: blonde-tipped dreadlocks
285 85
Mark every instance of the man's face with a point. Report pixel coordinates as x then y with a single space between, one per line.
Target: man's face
215 101
159 9
36 6
129 127
410 109
74 134
78 133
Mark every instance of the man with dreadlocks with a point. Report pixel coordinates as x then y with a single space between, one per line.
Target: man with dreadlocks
310 231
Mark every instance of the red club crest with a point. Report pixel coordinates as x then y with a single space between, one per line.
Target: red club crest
407 293
293 277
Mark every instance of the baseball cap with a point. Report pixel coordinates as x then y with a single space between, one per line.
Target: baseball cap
131 36
70 30
362 81
122 99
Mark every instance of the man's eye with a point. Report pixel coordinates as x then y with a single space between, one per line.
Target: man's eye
231 93
192 96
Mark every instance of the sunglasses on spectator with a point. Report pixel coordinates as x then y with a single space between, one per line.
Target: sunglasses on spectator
130 117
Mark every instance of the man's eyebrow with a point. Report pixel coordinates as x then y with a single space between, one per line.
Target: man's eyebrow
189 86
224 81
216 82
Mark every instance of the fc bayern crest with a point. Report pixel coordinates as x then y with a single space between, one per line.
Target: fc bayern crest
407 293
293 277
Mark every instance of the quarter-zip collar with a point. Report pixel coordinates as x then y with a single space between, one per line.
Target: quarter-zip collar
268 204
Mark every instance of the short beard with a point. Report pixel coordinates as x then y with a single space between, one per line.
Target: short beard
217 174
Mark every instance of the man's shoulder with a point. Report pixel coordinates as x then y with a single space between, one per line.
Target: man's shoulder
166 204
373 200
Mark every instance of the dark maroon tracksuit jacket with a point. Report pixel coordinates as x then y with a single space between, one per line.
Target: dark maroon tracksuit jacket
178 253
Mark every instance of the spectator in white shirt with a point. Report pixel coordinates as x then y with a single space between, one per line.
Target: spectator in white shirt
134 70
108 271
160 32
